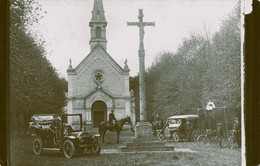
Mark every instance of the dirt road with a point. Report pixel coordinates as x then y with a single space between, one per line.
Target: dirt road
22 155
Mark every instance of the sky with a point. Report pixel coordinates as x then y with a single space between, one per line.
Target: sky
66 32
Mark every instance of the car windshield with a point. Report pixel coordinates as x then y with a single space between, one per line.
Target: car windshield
175 121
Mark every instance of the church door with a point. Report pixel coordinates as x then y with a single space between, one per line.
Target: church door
99 112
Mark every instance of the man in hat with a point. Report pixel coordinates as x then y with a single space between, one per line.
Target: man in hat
157 124
111 118
220 133
55 127
188 130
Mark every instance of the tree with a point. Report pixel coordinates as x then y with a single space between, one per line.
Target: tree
203 68
222 81
35 86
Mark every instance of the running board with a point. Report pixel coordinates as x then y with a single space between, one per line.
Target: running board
51 149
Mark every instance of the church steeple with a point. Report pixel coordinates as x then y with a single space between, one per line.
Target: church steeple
98 25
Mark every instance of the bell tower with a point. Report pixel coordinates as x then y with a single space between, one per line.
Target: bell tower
98 25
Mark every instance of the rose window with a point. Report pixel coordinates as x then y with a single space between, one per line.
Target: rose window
98 76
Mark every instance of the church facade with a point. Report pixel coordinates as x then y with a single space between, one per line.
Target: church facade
98 84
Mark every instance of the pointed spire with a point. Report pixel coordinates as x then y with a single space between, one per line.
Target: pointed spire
98 12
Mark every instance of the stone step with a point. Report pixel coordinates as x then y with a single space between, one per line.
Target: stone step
144 139
148 143
146 148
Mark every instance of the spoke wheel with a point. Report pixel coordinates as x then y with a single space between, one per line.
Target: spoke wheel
176 137
37 146
203 141
96 146
68 149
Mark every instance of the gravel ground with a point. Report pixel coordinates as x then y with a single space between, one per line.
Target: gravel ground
188 153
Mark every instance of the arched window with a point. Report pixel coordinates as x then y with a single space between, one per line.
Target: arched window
98 32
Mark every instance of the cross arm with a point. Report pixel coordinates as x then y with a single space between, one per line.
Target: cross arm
149 23
133 24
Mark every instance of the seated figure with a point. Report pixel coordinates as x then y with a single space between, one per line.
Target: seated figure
112 120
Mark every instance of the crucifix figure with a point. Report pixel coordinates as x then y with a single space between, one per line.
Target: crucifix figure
141 26
142 97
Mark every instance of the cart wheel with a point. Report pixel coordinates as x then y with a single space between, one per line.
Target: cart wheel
176 137
203 141
68 149
37 146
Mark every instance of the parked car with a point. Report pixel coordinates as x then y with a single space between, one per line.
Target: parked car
179 127
67 139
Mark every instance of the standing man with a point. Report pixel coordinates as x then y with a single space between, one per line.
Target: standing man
188 130
236 129
55 127
209 114
220 134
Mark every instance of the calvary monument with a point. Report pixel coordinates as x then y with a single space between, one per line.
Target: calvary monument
143 128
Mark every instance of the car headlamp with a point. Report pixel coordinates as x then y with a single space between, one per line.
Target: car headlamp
71 137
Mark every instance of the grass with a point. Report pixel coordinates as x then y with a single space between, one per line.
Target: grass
22 155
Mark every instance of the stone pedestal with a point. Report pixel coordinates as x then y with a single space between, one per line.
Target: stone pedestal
143 129
144 141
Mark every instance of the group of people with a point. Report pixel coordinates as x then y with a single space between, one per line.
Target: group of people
235 129
56 125
157 123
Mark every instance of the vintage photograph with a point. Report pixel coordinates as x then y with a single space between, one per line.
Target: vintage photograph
125 82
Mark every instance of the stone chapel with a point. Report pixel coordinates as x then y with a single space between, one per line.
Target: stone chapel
98 84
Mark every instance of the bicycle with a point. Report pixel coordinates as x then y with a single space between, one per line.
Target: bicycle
208 138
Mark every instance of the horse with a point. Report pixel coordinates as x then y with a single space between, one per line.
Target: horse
104 126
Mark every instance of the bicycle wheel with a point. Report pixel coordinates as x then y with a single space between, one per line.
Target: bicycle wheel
231 142
203 141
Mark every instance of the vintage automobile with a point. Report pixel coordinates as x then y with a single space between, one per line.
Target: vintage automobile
179 127
69 140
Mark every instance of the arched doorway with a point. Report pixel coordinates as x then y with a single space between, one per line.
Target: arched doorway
99 112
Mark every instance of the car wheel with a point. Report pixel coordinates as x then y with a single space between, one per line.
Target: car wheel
203 141
37 146
68 149
96 146
176 137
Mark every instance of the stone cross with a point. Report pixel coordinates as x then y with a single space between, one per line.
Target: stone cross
141 26
142 94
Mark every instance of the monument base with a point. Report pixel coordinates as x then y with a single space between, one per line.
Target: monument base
143 129
145 141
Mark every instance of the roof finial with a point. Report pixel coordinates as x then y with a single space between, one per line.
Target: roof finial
70 66
126 68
